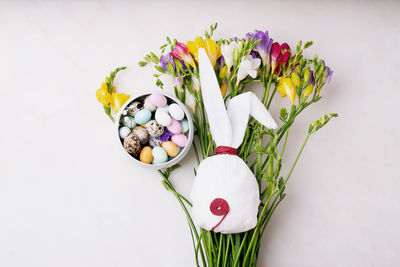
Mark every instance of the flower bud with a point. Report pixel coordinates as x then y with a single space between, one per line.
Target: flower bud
295 78
308 90
307 75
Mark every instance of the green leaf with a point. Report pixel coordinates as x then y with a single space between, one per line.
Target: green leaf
281 183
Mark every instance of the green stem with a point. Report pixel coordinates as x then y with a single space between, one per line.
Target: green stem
297 158
188 217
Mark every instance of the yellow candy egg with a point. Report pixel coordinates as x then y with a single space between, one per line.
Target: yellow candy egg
146 155
171 149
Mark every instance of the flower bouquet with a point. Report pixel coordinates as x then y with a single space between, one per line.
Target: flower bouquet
238 184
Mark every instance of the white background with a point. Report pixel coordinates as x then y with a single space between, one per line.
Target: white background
68 195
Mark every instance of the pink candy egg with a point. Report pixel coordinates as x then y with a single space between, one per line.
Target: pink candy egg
179 139
158 100
175 127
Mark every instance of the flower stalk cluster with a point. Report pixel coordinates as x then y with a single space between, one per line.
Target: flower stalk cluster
237 62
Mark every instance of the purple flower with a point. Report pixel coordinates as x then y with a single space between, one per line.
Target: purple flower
220 62
312 80
166 135
168 58
254 55
327 73
263 48
165 59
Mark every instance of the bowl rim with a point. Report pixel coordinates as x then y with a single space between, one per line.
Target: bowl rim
188 115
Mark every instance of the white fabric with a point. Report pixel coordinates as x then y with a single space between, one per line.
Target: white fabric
218 119
227 176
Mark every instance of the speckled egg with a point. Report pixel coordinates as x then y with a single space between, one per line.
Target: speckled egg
142 116
171 149
141 133
146 155
134 108
176 112
158 100
124 132
155 141
148 105
162 117
129 122
154 128
175 127
159 155
132 144
185 125
179 139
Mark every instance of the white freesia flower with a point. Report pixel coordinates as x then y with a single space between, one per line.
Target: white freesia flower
195 83
248 66
227 51
190 102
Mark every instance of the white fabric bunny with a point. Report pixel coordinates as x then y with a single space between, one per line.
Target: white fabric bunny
225 192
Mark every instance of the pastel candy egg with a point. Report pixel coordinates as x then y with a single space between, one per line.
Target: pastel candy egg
141 133
148 105
162 117
159 155
129 122
155 141
171 149
146 155
165 109
175 127
176 112
132 144
185 125
124 132
179 139
158 100
142 116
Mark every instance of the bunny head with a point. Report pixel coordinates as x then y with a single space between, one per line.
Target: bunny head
225 192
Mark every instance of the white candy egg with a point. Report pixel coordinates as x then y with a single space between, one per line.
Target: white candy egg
162 117
124 132
176 112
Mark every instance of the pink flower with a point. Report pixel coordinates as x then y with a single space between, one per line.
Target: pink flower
181 52
279 54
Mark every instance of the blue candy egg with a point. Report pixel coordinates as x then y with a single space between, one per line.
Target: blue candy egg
165 108
143 116
159 155
185 125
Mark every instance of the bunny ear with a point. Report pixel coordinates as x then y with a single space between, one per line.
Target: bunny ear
220 126
239 109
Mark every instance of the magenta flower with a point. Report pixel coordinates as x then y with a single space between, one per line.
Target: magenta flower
181 52
263 48
279 54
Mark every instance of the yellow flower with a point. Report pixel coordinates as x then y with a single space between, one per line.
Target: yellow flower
222 72
213 50
117 100
287 88
106 99
308 90
223 89
103 96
